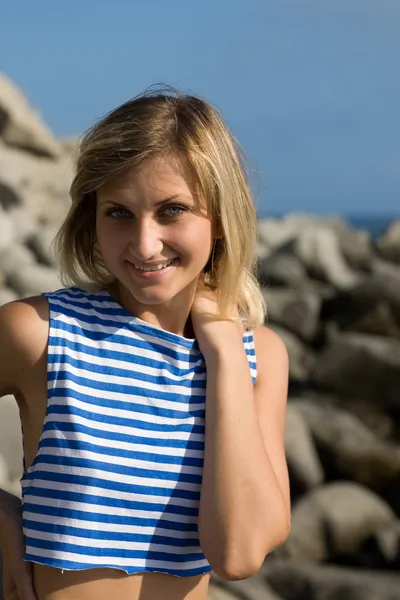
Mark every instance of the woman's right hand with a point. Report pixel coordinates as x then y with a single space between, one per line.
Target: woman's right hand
17 573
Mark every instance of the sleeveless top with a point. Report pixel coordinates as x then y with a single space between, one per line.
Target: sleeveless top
117 476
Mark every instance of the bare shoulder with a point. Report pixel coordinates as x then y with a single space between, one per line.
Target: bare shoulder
24 326
272 380
271 353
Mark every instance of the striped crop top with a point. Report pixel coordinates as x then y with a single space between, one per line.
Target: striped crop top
117 476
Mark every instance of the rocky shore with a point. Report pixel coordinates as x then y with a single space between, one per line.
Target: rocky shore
333 294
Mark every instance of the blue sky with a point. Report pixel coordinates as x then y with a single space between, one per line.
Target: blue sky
311 88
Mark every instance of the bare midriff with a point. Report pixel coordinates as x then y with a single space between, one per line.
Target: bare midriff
110 584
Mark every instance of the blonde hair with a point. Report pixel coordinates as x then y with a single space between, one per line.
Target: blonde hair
169 124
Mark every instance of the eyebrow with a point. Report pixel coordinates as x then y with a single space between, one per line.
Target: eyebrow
159 203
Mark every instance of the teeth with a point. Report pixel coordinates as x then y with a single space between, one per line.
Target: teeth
155 267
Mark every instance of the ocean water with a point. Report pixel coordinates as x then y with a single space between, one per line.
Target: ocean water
376 225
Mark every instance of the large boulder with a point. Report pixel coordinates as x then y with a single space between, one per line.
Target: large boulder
389 244
301 356
295 580
31 280
274 233
368 411
9 197
34 188
7 231
317 254
305 467
334 521
363 366
296 310
367 308
7 295
349 448
21 125
69 147
14 257
281 269
355 244
384 547
372 306
11 455
41 244
387 277
320 252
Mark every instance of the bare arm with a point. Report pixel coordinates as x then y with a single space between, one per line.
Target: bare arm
23 339
245 500
23 335
10 363
9 505
11 370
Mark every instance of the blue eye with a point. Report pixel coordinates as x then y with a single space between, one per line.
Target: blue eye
174 211
118 213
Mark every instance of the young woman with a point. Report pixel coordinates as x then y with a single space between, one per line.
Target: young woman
152 398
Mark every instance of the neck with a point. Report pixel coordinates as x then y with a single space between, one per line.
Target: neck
173 316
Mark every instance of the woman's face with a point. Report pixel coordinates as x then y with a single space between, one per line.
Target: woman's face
155 236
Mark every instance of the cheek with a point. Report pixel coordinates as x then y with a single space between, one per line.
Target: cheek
109 246
108 238
197 235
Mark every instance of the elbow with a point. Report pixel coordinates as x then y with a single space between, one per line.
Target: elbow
242 563
238 559
235 574
235 570
278 531
232 561
280 536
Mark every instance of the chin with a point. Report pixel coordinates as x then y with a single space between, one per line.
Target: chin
153 299
155 294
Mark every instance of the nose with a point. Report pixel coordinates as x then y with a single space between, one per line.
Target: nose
146 241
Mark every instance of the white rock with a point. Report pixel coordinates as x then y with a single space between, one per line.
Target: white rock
7 231
14 257
10 438
301 454
296 309
4 477
320 251
389 244
69 147
35 279
23 126
336 518
42 245
6 296
40 185
273 233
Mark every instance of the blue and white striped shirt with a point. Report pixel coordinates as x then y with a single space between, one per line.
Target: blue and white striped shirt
116 480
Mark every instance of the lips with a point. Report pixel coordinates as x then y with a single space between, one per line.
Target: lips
156 267
153 271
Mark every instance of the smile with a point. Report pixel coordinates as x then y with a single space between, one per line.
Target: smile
158 267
